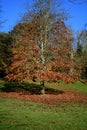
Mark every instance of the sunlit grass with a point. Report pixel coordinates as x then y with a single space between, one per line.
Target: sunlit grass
35 86
72 87
23 115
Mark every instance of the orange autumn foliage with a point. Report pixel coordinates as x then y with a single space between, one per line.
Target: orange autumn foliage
26 61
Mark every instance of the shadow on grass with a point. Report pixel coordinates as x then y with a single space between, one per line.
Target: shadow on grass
26 88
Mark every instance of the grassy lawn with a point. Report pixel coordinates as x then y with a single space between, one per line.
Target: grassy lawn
24 115
34 86
72 87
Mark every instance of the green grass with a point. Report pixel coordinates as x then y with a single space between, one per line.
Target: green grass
34 87
72 87
24 115
2 82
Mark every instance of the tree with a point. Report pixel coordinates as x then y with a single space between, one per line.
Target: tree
42 46
5 53
0 17
78 1
82 51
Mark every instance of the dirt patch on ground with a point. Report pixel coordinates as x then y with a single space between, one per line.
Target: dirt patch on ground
47 98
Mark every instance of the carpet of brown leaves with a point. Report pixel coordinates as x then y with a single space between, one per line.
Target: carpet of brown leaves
48 98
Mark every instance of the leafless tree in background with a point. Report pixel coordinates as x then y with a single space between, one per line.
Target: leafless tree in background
78 1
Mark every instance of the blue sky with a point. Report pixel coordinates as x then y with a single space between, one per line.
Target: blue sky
12 9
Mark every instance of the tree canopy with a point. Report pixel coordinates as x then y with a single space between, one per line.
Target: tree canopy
5 52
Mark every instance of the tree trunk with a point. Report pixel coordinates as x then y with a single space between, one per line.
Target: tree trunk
71 69
42 87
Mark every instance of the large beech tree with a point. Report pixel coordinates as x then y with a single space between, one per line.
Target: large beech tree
42 46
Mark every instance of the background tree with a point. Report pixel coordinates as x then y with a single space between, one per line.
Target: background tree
5 52
0 16
42 46
78 1
82 51
1 20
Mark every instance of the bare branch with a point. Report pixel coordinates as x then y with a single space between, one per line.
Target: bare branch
78 1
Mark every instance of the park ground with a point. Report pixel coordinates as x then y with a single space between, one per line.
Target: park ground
63 107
